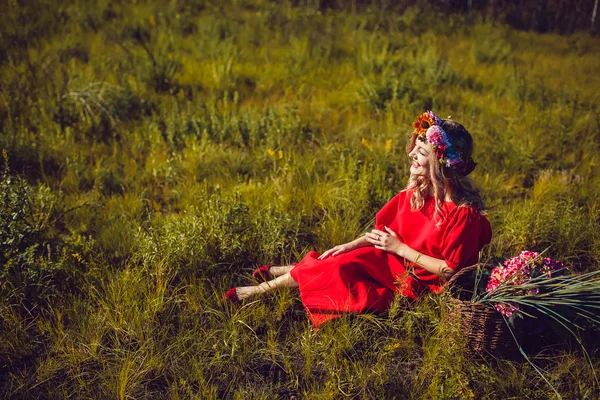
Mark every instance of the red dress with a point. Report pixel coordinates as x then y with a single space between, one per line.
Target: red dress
366 279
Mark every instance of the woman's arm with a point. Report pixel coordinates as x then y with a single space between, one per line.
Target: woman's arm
389 242
361 242
434 265
343 248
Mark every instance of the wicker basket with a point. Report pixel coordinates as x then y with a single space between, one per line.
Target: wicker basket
485 329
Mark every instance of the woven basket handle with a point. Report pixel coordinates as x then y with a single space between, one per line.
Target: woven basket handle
463 271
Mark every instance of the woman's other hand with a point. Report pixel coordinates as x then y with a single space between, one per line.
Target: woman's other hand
387 241
339 249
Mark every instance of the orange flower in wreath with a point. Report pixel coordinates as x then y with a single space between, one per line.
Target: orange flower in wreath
423 122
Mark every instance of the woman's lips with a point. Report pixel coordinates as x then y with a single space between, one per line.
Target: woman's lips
416 164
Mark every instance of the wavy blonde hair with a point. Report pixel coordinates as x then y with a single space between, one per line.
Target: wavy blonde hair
445 181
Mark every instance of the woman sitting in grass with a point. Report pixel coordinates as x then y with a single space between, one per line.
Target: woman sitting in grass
424 235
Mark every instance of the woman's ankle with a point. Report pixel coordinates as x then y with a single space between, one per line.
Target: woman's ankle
244 292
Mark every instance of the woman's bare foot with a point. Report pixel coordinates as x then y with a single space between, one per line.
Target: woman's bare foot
244 292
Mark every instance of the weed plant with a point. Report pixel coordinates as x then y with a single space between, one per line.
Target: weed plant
155 153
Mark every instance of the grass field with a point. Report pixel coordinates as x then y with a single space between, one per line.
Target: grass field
155 153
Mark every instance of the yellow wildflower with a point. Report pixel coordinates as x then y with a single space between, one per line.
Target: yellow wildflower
271 153
365 143
390 347
388 145
280 154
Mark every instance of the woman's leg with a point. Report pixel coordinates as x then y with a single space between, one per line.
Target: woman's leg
280 270
285 280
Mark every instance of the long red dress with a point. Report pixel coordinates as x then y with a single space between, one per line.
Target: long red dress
366 279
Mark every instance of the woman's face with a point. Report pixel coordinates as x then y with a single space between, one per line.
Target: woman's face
420 157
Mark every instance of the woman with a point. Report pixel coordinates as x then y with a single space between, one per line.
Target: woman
426 233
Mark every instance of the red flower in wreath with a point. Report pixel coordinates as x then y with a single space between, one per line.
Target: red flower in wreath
440 150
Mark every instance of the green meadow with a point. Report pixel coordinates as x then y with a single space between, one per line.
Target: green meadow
155 153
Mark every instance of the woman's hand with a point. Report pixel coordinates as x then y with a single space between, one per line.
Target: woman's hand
339 249
386 241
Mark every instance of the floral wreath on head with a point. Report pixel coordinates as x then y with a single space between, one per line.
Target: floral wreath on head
428 128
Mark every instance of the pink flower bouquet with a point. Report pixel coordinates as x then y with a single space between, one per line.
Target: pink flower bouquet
517 272
530 285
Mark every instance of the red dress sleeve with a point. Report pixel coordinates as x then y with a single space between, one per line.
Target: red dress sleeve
467 231
387 214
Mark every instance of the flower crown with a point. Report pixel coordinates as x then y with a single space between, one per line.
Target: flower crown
428 128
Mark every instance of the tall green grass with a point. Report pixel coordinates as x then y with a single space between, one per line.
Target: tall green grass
157 153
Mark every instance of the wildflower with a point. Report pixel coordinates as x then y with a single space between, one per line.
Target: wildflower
388 145
517 271
280 154
271 153
507 309
423 122
365 143
390 347
436 136
440 150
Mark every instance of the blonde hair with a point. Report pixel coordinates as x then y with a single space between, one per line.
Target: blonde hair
443 180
